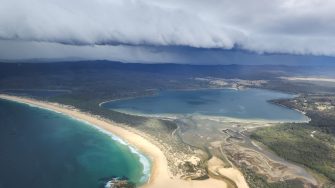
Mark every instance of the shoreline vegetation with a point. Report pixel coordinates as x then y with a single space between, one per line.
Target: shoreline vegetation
160 175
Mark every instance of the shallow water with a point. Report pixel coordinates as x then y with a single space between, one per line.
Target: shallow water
244 104
40 148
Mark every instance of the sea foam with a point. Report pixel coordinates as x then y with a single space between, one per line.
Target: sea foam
142 158
145 161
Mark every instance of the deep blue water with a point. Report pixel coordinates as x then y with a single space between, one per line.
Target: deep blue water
245 104
43 149
39 93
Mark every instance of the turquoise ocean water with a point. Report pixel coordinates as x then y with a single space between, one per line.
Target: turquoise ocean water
44 149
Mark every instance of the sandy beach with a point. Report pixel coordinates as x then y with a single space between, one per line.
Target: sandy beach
316 79
160 175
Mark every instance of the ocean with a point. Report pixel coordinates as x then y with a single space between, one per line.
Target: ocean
41 148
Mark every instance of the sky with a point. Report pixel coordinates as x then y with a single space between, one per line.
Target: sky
198 31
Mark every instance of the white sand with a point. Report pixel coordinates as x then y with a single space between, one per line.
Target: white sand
160 175
309 79
215 165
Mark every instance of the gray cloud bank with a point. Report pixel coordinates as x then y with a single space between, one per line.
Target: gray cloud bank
28 51
281 26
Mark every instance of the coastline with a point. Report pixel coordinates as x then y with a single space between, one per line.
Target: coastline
160 175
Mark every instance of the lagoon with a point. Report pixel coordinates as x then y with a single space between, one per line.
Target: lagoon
241 104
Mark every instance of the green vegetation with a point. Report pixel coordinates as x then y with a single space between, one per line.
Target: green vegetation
296 142
311 144
257 181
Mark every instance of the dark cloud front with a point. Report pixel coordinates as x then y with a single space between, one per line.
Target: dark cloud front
143 28
46 52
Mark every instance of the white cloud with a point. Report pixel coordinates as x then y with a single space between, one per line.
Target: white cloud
285 26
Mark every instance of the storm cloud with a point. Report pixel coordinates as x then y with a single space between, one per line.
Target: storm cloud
276 26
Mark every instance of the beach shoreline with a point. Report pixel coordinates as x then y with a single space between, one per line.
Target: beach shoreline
160 175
